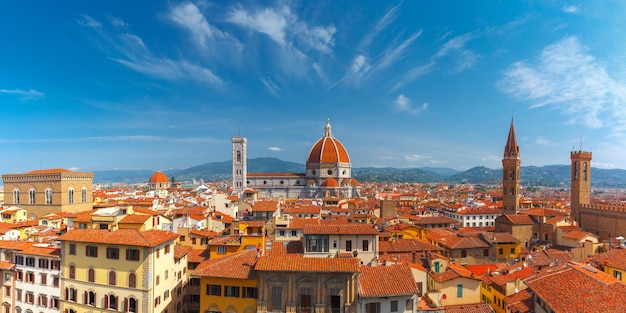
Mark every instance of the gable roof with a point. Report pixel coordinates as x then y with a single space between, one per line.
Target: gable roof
127 237
386 281
239 266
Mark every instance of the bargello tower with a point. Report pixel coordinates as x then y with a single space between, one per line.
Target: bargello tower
510 174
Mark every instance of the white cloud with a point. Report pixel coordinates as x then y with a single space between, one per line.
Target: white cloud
393 54
571 9
455 48
88 21
271 87
284 28
387 19
567 78
403 104
188 16
29 94
276 149
413 74
416 158
543 141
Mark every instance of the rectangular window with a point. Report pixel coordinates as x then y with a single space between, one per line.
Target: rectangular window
617 274
44 278
132 254
54 302
221 249
512 250
213 290
30 262
91 251
55 281
249 292
316 243
500 251
366 245
56 265
43 263
231 291
372 307
167 249
19 260
348 245
7 291
459 291
394 306
30 277
113 253
277 298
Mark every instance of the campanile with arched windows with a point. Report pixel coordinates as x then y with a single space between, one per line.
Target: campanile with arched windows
581 181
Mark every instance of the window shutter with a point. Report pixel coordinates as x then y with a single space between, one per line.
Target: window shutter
86 297
106 302
125 304
67 293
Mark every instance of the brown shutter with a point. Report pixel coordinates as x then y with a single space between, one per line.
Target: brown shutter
86 297
106 302
125 304
67 294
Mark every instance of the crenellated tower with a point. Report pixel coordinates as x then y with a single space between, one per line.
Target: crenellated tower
581 182
510 174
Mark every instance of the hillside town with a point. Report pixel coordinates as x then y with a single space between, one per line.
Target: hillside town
319 241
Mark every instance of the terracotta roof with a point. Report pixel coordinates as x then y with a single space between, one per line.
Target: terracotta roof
198 255
265 206
298 263
134 219
481 269
614 258
158 177
405 245
239 266
181 251
519 219
15 245
51 170
128 237
345 229
577 235
329 182
6 265
49 252
469 308
328 150
386 281
573 287
521 302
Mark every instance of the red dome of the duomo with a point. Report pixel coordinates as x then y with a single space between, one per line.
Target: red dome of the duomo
158 177
328 150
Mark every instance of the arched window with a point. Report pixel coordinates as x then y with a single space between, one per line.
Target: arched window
70 196
238 156
18 309
132 280
585 171
112 278
110 302
83 194
132 305
575 170
91 299
91 274
31 196
72 271
48 196
16 196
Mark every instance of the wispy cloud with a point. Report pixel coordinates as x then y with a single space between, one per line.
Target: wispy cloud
131 52
568 78
88 21
284 28
25 95
542 141
387 19
188 16
412 75
275 149
271 87
403 104
571 9
455 48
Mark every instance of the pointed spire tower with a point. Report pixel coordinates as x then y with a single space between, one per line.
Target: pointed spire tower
510 174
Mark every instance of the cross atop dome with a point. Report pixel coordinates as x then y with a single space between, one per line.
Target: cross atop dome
328 132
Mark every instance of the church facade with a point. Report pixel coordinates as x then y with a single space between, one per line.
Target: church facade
328 173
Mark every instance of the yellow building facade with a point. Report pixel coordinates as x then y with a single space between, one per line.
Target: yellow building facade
122 270
46 191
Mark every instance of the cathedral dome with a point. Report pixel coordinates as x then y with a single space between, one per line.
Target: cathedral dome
330 182
328 150
158 177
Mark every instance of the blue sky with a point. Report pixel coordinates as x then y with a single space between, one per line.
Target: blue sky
96 85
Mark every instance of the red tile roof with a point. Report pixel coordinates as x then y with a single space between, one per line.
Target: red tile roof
134 219
345 229
406 245
49 252
469 308
181 251
239 266
128 237
265 206
386 281
521 302
6 265
298 263
198 255
614 258
573 287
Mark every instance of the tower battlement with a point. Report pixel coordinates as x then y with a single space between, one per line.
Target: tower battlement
580 155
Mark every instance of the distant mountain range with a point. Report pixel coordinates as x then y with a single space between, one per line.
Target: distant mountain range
548 175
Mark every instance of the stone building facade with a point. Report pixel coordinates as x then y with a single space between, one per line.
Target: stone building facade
46 191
